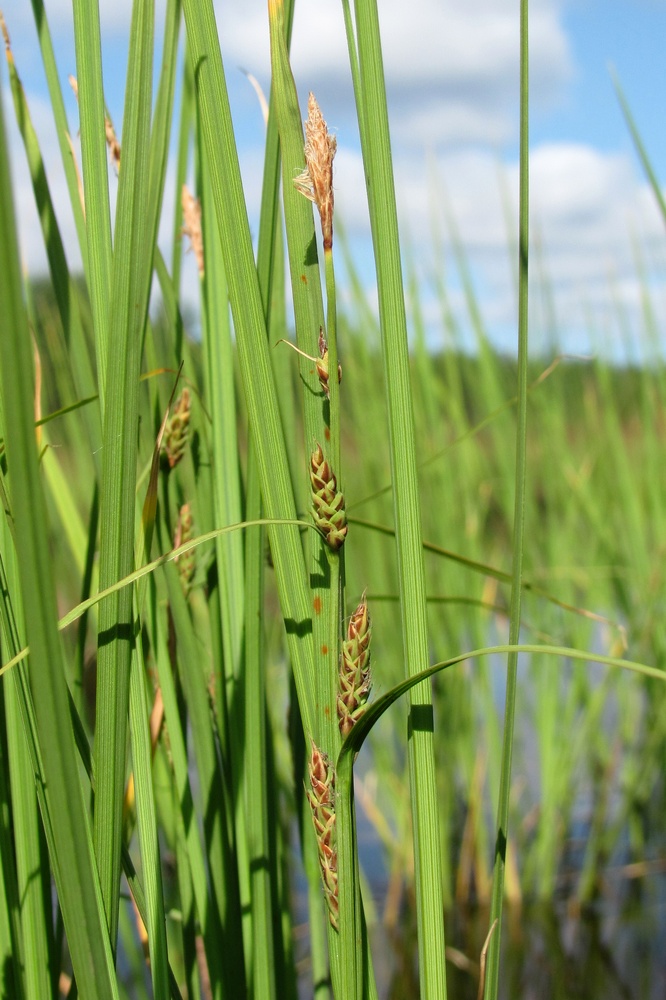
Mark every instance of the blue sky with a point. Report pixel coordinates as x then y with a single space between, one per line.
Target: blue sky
452 76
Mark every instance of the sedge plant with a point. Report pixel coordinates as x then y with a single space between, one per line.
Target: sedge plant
235 524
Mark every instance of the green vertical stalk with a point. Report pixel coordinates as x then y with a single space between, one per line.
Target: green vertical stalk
375 142
129 304
22 916
492 969
248 313
61 123
147 827
87 37
70 845
262 975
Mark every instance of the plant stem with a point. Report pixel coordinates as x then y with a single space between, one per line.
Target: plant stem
492 972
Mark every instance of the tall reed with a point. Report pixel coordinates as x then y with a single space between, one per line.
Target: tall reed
265 549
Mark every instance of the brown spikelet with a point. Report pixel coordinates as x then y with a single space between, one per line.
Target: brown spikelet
112 142
354 677
109 130
5 35
316 181
322 364
192 225
322 804
328 504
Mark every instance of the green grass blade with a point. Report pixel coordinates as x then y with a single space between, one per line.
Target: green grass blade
375 143
62 125
211 927
216 798
74 865
17 935
80 382
492 967
129 305
640 146
248 314
95 176
154 919
31 860
261 854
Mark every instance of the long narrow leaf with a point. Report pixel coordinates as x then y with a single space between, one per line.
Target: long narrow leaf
129 306
76 875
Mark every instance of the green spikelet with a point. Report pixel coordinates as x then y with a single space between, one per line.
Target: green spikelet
186 563
355 681
177 430
328 505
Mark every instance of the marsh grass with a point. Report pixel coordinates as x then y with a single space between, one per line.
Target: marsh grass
158 747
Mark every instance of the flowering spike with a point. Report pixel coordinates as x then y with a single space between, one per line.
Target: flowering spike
322 364
186 563
328 505
354 677
191 207
316 181
322 804
177 429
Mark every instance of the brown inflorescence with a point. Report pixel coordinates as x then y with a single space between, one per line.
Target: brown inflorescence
354 678
316 181
328 505
322 365
191 207
322 804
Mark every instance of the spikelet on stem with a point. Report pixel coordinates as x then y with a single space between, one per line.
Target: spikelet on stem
177 430
191 207
321 363
316 181
328 504
322 804
354 677
186 562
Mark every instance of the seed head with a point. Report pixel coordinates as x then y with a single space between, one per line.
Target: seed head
186 562
354 676
322 804
192 225
322 365
328 504
177 429
316 181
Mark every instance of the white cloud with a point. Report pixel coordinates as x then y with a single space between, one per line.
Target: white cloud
452 75
589 211
451 67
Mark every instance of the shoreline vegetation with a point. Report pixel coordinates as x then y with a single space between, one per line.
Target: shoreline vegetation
296 551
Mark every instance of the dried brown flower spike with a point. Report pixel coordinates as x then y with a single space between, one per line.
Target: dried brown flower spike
316 181
192 225
112 143
109 130
322 804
